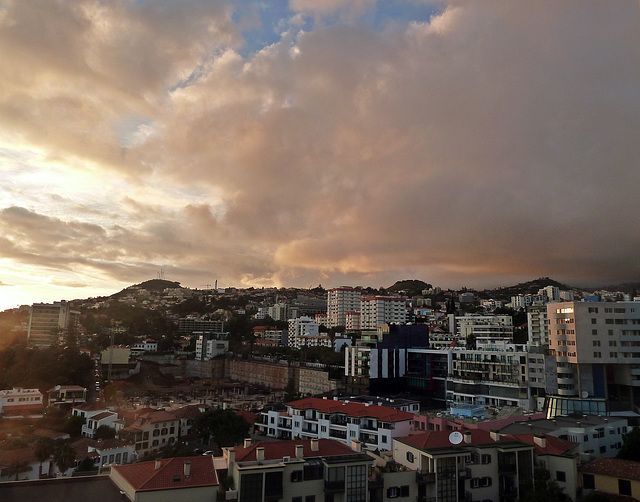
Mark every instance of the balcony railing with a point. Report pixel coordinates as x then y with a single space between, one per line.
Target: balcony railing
425 477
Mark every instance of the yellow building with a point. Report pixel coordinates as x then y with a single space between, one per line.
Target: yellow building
612 476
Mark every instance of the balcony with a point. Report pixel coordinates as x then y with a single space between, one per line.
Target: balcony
423 478
333 486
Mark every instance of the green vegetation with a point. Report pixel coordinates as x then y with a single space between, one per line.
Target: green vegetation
221 427
631 446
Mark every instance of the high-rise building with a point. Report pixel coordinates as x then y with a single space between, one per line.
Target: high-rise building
377 310
339 302
597 349
47 321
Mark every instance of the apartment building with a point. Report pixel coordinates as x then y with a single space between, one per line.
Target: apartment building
210 345
478 464
377 310
187 325
47 321
95 421
19 401
312 470
537 325
300 329
381 357
597 349
149 430
494 327
339 302
313 418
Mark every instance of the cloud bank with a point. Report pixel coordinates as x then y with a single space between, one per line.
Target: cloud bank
495 142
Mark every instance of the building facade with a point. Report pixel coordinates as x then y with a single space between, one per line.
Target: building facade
47 321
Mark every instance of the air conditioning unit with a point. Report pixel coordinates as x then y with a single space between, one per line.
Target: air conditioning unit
286 459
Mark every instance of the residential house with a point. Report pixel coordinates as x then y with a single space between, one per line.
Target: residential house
62 395
612 476
104 452
150 430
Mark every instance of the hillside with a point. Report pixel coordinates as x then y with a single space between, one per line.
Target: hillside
524 288
410 287
151 285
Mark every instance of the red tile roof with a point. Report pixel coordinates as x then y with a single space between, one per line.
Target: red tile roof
616 467
188 411
274 450
102 415
383 413
553 445
18 455
248 416
145 477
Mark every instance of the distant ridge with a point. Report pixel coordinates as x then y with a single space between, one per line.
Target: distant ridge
525 288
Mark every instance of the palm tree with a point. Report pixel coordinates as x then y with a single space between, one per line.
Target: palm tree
44 448
64 456
17 467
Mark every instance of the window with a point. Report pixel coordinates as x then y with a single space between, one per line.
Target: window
624 487
486 459
594 332
597 354
596 343
310 498
475 482
588 481
296 476
486 481
561 476
594 320
251 487
410 456
603 449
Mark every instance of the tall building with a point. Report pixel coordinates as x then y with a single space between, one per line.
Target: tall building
187 325
376 310
47 321
339 302
597 349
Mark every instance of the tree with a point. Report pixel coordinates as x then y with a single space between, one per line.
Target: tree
17 468
86 465
73 425
544 489
631 446
64 456
44 448
290 391
104 432
222 427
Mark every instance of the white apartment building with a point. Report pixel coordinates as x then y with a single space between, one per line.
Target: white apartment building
597 348
18 401
352 321
210 345
494 327
300 328
279 312
339 302
376 310
537 325
315 418
48 320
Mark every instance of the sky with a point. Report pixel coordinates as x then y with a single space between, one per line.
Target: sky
293 143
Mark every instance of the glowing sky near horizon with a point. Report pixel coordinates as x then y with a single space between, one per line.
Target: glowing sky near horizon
297 143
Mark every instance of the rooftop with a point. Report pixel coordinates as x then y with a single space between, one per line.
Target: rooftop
276 450
169 473
383 413
615 467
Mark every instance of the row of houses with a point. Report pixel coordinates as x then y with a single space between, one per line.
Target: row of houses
21 401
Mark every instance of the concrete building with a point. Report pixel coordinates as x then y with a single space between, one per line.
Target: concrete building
312 418
210 345
300 328
105 452
187 325
48 321
493 327
537 325
377 310
597 349
339 302
19 401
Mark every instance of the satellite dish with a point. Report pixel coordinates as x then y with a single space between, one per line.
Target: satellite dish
585 394
455 437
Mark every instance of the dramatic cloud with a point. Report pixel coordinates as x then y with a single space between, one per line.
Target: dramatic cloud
483 143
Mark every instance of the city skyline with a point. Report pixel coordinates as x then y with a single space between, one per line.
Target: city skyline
345 142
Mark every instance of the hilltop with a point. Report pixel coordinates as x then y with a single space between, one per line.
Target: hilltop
524 288
151 285
409 287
